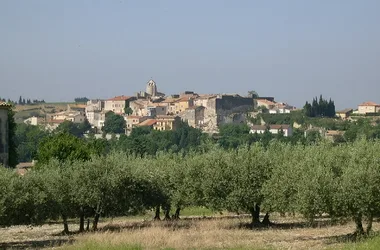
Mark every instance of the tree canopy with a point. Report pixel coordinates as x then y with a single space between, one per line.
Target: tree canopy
114 123
320 108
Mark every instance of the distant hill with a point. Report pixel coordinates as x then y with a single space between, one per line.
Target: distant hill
23 112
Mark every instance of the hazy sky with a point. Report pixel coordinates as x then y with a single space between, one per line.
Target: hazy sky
290 49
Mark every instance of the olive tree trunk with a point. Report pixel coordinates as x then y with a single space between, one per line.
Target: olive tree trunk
359 224
157 213
81 220
65 224
167 213
255 213
96 217
369 223
176 213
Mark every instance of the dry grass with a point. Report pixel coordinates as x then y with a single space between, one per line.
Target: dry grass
186 234
219 234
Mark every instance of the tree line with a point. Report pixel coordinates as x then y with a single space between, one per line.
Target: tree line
81 99
319 108
74 180
23 101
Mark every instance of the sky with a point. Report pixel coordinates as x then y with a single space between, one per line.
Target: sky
290 49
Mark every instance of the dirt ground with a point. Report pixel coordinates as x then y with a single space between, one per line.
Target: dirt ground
286 233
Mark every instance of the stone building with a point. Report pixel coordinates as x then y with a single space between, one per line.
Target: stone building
95 113
117 104
194 116
151 91
4 137
223 109
151 88
166 122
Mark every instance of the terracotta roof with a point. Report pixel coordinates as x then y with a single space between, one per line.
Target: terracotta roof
120 98
369 104
134 117
184 99
148 122
170 100
139 103
56 121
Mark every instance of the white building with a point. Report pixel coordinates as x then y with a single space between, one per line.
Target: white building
368 107
95 113
281 108
274 129
31 121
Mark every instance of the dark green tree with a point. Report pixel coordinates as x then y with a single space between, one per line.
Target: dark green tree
114 123
27 139
319 108
12 147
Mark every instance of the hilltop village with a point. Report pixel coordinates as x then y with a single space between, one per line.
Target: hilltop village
228 118
207 112
161 112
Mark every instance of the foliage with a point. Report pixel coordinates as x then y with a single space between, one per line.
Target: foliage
27 139
253 94
309 179
128 111
63 147
320 108
81 99
12 147
287 118
114 123
76 129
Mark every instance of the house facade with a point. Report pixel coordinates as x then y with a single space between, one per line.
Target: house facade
31 121
194 116
96 118
182 104
268 104
73 116
93 107
166 122
273 129
344 114
368 107
117 104
133 120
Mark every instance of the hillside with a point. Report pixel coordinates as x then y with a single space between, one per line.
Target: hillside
41 110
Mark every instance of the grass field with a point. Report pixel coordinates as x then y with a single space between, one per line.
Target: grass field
222 233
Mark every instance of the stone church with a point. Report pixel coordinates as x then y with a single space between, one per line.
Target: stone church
4 133
151 91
